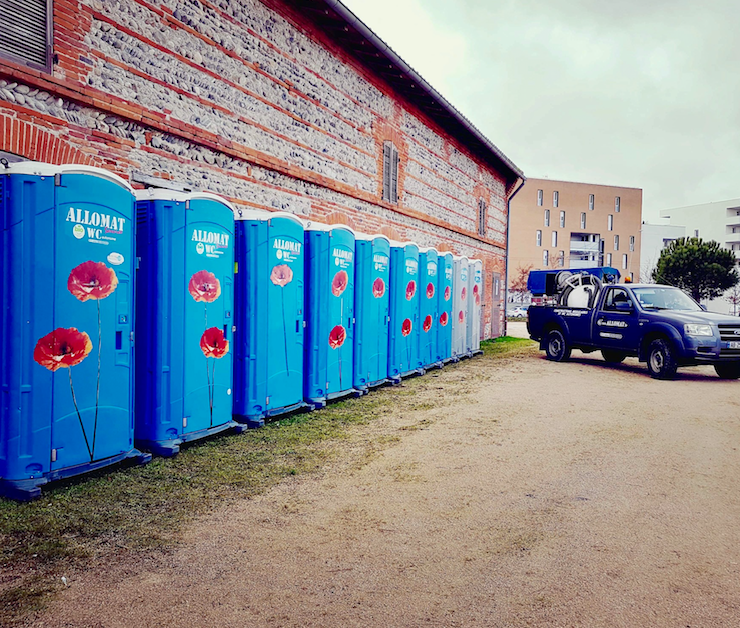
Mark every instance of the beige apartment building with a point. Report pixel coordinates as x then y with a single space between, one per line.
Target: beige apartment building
561 224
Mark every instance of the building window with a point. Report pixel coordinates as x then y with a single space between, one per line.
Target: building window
555 198
616 204
616 242
562 220
624 261
539 238
545 258
547 218
26 32
561 259
583 220
608 259
591 201
540 196
482 217
632 243
554 239
610 222
390 172
696 233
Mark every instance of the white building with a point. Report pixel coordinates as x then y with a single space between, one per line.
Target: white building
653 239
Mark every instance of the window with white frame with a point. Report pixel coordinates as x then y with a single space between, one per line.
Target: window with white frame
545 258
539 237
616 242
608 259
624 261
610 223
554 239
616 204
696 233
591 201
561 259
632 243
547 218
562 220
555 198
540 197
390 172
583 220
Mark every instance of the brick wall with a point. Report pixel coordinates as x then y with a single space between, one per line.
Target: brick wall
248 101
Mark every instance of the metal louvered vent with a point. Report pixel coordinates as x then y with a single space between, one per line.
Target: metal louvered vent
25 31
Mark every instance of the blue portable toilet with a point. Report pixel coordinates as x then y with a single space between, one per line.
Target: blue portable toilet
445 272
428 304
268 353
67 268
372 297
403 327
329 337
475 303
459 307
184 306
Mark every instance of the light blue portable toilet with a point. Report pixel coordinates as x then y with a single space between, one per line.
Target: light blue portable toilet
475 305
329 338
445 273
428 304
66 344
460 307
372 297
403 327
268 353
185 307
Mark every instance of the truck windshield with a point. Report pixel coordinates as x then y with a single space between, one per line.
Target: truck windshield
664 298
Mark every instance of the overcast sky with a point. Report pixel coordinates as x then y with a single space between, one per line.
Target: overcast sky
640 93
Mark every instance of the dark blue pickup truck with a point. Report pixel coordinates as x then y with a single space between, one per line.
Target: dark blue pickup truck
661 325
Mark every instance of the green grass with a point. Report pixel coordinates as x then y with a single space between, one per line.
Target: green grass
146 508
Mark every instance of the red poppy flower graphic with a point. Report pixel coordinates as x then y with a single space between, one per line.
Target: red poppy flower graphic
427 323
443 319
204 287
378 287
281 275
476 294
461 316
477 299
62 348
410 290
337 336
92 280
430 290
448 293
339 283
464 293
475 289
213 344
406 327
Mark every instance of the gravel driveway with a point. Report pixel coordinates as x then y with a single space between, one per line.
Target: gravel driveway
518 492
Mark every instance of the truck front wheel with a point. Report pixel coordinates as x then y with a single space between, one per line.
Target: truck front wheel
728 370
556 348
661 362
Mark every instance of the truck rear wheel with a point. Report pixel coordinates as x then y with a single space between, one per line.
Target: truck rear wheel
613 356
728 370
661 362
556 348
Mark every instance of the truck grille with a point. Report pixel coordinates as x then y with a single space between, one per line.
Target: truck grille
729 333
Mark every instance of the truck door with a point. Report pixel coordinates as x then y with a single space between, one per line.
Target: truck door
615 324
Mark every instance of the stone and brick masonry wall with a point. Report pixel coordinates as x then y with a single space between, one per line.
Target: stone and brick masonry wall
247 100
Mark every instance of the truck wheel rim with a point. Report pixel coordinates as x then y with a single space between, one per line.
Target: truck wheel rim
656 360
555 345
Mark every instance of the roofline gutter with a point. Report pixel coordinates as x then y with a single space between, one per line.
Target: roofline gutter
361 28
506 268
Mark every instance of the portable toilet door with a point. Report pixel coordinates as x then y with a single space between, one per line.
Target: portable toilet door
459 303
184 305
476 304
66 324
330 275
445 273
428 304
268 353
372 273
403 334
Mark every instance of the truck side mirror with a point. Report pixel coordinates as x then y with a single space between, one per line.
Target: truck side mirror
623 306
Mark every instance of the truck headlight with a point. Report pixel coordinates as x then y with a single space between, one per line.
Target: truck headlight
692 329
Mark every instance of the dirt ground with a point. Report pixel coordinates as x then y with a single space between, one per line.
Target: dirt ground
526 493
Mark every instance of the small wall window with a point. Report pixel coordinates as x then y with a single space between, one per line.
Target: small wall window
616 242
390 172
608 259
540 197
583 220
591 201
554 239
562 220
545 258
482 219
696 233
539 238
561 259
555 199
632 243
616 204
610 222
26 29
624 261
547 218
